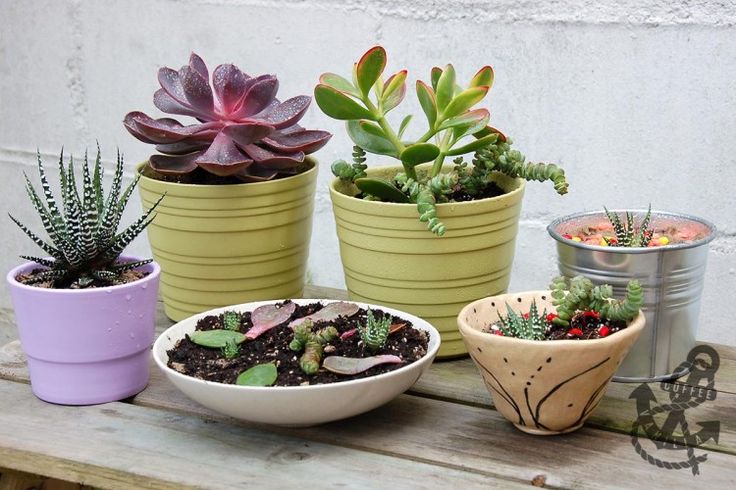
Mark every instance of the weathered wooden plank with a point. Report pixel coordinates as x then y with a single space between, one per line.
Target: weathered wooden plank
479 439
16 480
120 445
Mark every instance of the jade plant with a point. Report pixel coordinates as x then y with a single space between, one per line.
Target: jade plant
454 128
84 243
584 311
242 130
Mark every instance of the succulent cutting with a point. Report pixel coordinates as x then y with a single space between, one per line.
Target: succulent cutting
242 130
454 128
84 244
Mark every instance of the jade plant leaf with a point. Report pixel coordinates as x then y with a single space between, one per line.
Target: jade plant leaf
435 76
364 134
382 189
337 105
483 77
370 66
490 130
404 124
258 375
419 153
470 121
355 365
266 317
428 101
394 91
464 101
331 312
445 87
339 83
216 338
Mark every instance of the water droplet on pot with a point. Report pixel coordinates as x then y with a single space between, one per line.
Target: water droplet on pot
109 329
128 297
140 315
132 335
108 291
144 286
130 312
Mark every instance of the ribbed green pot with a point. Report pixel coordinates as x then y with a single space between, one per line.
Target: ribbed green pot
390 258
220 245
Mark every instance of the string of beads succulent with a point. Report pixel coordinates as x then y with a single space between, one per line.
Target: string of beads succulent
454 129
579 294
83 239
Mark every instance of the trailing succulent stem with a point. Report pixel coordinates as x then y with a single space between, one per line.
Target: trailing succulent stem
375 331
530 327
579 294
312 343
84 243
627 234
350 172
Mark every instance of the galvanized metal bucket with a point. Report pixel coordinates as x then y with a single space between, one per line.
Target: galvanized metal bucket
672 280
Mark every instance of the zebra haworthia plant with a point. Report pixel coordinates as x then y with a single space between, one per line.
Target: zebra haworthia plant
83 239
454 129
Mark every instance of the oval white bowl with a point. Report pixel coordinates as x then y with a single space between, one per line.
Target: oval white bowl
296 406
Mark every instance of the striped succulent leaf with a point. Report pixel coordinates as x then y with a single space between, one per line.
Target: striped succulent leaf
83 241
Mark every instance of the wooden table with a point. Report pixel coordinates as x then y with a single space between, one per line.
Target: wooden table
443 433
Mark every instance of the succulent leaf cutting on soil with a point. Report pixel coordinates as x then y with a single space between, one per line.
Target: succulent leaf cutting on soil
298 346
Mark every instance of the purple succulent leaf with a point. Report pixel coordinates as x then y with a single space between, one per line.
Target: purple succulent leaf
229 84
273 160
197 90
258 97
170 82
266 317
248 133
329 313
291 129
197 64
348 333
167 130
166 103
286 113
355 365
182 147
223 158
306 140
130 124
174 165
256 173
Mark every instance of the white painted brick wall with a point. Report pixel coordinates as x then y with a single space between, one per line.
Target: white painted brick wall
636 99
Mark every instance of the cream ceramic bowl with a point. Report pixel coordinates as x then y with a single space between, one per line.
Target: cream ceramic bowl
296 406
542 387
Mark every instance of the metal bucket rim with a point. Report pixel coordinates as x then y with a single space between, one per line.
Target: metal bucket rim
552 230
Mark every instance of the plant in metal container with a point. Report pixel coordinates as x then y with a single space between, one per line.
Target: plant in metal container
242 134
666 252
301 350
474 202
548 359
85 313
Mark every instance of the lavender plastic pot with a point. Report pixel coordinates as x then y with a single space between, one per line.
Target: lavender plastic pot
86 346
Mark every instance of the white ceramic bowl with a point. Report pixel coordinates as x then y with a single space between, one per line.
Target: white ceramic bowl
294 405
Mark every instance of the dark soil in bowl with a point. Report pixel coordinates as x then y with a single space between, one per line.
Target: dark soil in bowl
409 343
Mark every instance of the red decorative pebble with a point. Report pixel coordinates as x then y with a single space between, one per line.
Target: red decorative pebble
526 316
604 331
498 332
567 235
575 332
551 316
591 314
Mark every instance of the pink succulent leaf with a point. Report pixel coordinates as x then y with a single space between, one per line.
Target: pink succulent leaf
286 113
229 85
266 317
182 147
349 333
256 173
258 97
167 130
273 160
197 90
197 64
170 82
355 365
329 313
166 103
307 141
174 165
130 124
247 133
291 129
223 158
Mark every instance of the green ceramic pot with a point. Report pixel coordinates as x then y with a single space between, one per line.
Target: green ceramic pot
221 245
390 258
